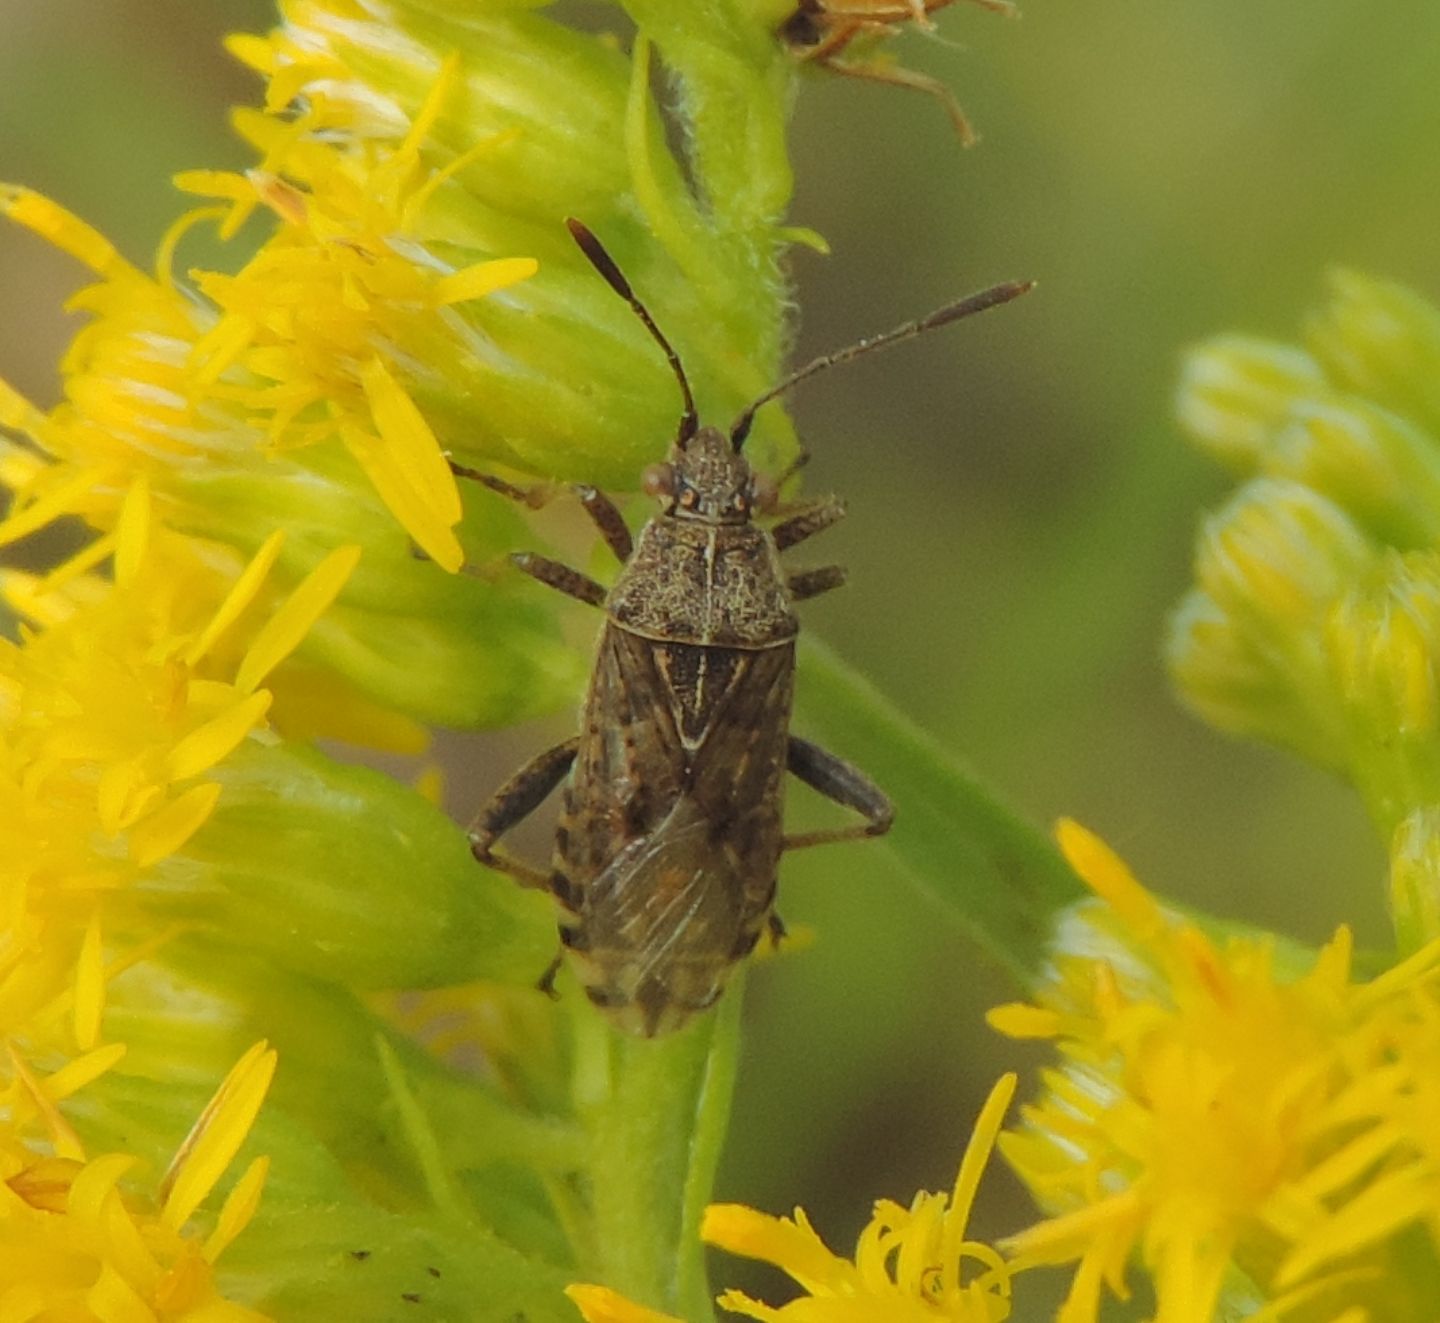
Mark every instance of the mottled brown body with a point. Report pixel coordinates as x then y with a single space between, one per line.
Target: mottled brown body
670 841
670 837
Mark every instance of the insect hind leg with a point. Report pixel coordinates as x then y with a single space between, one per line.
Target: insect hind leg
515 801
837 780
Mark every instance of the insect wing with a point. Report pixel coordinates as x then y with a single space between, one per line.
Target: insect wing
672 833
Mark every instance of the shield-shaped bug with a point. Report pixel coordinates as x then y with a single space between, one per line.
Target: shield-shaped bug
670 834
822 32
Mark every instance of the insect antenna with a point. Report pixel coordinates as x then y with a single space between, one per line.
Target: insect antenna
594 250
951 312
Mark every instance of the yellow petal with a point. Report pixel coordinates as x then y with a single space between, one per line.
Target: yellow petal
599 1304
216 1137
282 633
66 231
63 1138
431 534
474 282
124 789
89 986
17 412
166 830
403 427
241 594
1105 873
967 1180
132 531
206 746
1017 1020
238 1209
61 500
75 1075
93 1186
790 1245
215 184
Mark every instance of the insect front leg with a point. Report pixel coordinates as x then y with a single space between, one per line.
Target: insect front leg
808 521
561 577
603 512
515 801
836 779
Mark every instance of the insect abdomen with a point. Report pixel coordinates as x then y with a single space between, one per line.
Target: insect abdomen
668 849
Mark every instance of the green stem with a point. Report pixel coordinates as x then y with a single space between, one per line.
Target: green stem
1003 879
657 1115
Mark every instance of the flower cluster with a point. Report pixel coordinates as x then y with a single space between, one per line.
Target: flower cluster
259 459
80 1239
1252 1128
910 1264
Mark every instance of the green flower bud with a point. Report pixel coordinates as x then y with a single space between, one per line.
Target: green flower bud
309 862
1415 879
1379 468
1237 392
528 122
201 1001
1382 641
1381 340
1247 649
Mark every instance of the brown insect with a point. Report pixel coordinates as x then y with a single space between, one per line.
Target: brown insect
670 837
822 31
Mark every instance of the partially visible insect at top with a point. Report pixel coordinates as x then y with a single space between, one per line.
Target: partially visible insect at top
670 836
821 31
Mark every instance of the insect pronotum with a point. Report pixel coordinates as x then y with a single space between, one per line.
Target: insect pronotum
670 836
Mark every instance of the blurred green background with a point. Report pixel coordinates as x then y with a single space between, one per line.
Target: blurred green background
1022 505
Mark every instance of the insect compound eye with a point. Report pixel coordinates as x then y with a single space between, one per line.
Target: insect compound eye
659 481
688 497
741 504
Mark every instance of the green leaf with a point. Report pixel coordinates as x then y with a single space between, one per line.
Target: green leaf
1001 878
342 873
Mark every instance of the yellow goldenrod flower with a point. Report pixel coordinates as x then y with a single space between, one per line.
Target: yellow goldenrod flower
1220 1117
152 392
81 1239
112 720
258 451
910 1263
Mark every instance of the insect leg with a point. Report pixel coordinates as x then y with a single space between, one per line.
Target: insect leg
546 983
515 801
602 510
808 521
900 77
811 583
606 517
836 779
560 577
